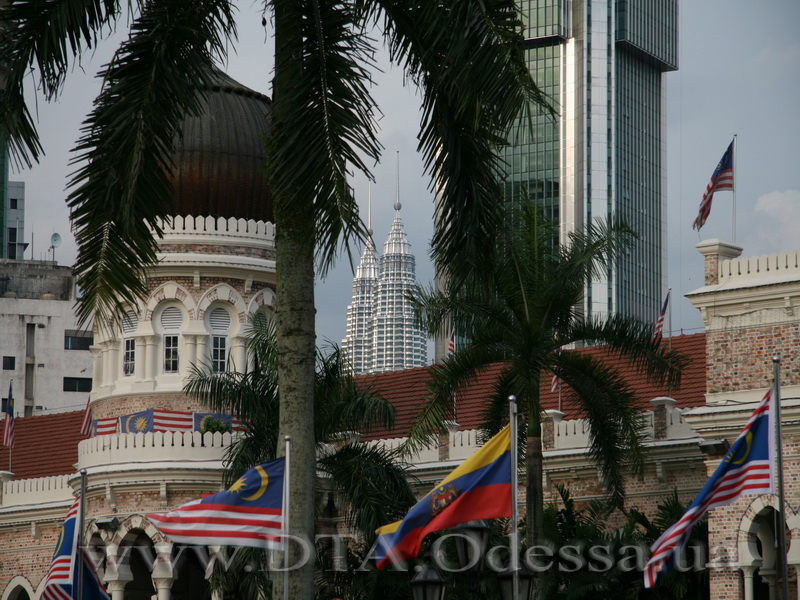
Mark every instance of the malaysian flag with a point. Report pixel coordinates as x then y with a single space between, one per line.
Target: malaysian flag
249 513
451 348
105 426
660 320
747 469
86 427
722 179
61 582
202 419
556 381
138 422
172 420
9 438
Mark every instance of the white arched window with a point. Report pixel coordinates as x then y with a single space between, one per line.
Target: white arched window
129 324
219 324
171 322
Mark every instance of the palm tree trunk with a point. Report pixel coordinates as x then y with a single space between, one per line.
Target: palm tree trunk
295 343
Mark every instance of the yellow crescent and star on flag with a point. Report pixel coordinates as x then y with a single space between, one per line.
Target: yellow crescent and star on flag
242 484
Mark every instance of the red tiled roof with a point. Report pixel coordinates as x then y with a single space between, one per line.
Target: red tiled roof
407 390
46 445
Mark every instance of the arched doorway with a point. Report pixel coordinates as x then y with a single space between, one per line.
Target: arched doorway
139 554
189 572
758 554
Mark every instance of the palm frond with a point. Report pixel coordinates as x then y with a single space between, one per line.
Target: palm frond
616 425
325 124
342 404
121 191
373 482
474 86
42 39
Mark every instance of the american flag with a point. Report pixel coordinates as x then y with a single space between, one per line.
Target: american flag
660 320
747 469
172 420
86 427
9 438
61 582
105 426
249 513
722 179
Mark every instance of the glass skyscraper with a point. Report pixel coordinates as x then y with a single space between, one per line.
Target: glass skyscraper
603 64
383 333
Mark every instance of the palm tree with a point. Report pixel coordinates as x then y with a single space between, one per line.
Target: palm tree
466 58
520 308
370 480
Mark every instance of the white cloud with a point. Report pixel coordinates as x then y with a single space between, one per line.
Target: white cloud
776 222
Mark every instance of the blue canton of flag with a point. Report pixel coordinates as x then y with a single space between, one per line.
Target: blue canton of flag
62 577
140 422
249 513
747 469
201 419
721 179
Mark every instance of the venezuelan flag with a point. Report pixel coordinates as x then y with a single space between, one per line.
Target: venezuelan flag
480 488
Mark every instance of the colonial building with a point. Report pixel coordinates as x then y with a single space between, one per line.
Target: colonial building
748 306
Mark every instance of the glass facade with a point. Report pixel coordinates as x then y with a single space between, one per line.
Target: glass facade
602 63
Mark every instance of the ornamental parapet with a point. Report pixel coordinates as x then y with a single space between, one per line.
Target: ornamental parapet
152 450
36 491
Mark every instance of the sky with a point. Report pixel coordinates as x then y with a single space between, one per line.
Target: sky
739 73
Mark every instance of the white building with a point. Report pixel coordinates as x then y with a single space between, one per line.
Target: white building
44 350
382 331
14 221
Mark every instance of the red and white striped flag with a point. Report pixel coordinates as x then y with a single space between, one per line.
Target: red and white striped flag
86 426
747 469
249 513
105 426
721 179
9 435
172 420
660 320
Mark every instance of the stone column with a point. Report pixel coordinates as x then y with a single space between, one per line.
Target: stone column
662 407
97 365
190 347
716 252
116 589
163 587
200 357
748 572
549 423
239 354
150 357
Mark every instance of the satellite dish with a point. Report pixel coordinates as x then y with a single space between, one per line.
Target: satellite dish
55 240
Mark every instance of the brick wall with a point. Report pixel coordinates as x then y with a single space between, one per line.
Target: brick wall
742 359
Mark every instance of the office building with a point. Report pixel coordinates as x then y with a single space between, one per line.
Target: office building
383 333
603 64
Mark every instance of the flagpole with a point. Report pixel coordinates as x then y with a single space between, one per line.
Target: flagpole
669 295
735 175
286 505
81 515
781 529
514 563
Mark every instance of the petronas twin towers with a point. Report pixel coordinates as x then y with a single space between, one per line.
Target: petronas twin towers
382 332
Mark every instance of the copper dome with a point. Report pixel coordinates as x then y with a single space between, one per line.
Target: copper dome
219 158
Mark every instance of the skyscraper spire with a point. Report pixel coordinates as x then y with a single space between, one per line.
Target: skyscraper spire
382 329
